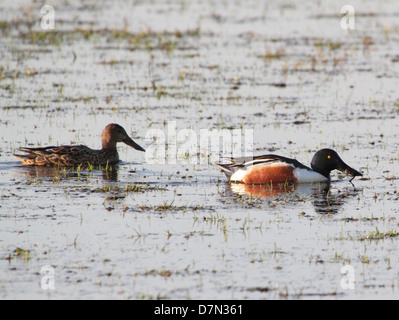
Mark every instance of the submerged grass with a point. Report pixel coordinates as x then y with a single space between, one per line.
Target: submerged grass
19 253
169 207
149 40
128 188
378 235
209 84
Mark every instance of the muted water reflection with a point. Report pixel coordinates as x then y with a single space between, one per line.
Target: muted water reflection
286 71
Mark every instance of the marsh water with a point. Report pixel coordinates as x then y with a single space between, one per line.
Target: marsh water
284 73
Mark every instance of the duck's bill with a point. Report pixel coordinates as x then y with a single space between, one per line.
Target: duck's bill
133 144
349 171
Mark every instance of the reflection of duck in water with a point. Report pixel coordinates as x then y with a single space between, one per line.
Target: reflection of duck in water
324 199
272 168
73 156
329 202
59 174
266 191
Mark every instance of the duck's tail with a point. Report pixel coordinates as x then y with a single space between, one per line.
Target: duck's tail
26 159
31 156
227 169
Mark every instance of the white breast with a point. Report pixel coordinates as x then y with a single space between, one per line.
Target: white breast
308 176
238 175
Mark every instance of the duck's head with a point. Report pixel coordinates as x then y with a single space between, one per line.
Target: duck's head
326 160
114 133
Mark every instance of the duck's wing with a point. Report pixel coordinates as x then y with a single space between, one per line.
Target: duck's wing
242 162
55 156
246 163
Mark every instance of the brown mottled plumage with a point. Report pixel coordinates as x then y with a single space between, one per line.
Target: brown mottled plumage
70 156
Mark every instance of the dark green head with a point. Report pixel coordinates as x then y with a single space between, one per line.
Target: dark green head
326 160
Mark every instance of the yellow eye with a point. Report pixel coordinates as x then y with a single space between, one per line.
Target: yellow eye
329 157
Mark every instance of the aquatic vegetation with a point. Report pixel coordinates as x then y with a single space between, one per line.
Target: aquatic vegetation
19 253
378 235
145 230
128 188
145 40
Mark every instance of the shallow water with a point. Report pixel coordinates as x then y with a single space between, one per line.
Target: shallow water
286 74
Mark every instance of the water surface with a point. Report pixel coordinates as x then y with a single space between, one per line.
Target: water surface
177 230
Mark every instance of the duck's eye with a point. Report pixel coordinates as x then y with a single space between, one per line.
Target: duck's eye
328 157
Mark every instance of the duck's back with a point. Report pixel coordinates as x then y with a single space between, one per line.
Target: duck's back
66 156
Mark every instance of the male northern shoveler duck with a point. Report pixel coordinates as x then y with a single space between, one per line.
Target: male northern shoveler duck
71 156
277 169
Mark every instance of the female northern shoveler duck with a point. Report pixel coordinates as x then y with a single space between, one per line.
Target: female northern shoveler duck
277 169
70 156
